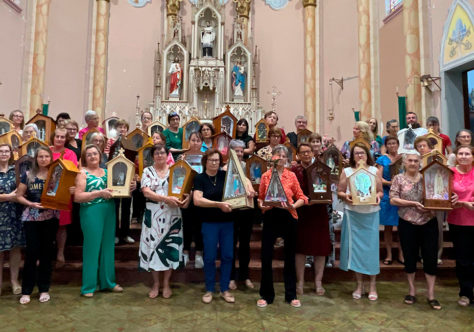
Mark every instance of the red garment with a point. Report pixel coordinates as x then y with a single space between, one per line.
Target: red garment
446 142
463 186
290 185
86 129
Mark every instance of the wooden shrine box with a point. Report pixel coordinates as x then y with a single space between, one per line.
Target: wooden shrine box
194 160
29 147
407 140
254 168
333 158
221 142
137 138
234 186
86 138
145 158
427 158
437 186
261 132
61 176
363 186
318 177
46 127
154 127
291 151
110 126
180 180
396 168
435 140
360 140
189 127
5 125
275 194
120 172
12 138
226 122
122 143
23 165
303 136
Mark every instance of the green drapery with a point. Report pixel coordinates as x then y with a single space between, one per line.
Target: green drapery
402 112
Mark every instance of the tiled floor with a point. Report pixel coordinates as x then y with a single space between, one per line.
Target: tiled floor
133 311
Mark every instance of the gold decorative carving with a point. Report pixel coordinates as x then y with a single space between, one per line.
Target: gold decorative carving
172 7
242 7
309 3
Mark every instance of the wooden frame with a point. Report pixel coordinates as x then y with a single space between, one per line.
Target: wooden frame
46 126
292 155
303 136
110 126
363 186
333 158
396 168
180 180
22 165
29 147
230 127
255 166
318 177
155 126
86 138
436 141
5 125
137 138
427 158
61 176
145 158
13 139
437 186
262 131
234 186
221 142
194 160
275 194
122 143
120 172
361 141
189 127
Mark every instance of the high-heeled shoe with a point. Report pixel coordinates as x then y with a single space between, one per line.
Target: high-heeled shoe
358 295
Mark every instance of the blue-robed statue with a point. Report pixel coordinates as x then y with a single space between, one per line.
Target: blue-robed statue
238 80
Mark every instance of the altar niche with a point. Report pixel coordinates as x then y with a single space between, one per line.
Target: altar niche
208 30
175 72
437 186
234 187
238 70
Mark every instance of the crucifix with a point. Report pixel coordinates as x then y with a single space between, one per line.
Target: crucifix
205 102
275 93
137 113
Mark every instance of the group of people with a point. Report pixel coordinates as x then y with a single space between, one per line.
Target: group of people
170 225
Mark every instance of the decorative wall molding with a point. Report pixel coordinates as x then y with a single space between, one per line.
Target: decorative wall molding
277 4
139 3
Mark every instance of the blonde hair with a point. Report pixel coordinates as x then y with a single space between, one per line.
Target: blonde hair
365 130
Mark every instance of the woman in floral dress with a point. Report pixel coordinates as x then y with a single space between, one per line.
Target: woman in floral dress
161 242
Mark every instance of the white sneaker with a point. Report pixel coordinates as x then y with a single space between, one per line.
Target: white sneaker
116 240
198 262
128 239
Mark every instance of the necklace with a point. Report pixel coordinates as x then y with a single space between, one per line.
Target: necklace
213 181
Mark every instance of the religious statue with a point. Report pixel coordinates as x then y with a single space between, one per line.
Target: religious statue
207 39
176 78
238 80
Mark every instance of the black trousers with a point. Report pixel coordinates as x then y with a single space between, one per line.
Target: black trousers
206 51
416 237
191 228
122 221
74 230
278 223
40 236
463 243
243 222
138 203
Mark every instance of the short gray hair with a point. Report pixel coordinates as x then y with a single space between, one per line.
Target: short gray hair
89 114
278 148
236 143
95 134
35 128
300 117
411 153
389 123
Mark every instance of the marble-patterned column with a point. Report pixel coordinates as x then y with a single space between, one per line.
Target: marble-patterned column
100 57
365 77
411 31
39 56
310 62
242 7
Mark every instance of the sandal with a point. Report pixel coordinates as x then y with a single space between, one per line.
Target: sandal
409 299
320 291
249 284
373 296
207 298
44 297
117 289
357 295
295 303
228 297
261 303
464 301
232 285
25 299
434 304
387 261
89 295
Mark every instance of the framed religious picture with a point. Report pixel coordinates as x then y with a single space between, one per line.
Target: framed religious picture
291 151
14 140
437 186
407 137
61 176
275 194
221 142
180 179
5 125
234 186
396 168
87 138
29 147
303 136
110 126
427 158
189 127
145 158
194 160
361 141
333 158
46 126
318 177
120 172
261 132
226 122
22 165
363 186
154 127
254 168
137 138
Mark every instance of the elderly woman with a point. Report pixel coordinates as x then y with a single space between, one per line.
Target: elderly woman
174 135
242 133
312 227
161 241
361 130
388 212
463 138
461 223
98 224
18 120
417 227
30 130
40 228
92 121
146 119
98 140
267 151
281 221
360 226
11 229
207 131
217 224
72 143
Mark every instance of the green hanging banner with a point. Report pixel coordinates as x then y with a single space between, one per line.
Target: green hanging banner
45 109
357 115
402 112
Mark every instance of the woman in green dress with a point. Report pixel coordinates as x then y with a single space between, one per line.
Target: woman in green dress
174 135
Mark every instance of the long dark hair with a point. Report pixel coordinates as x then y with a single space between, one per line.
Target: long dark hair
370 160
245 122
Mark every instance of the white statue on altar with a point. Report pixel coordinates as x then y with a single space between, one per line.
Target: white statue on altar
176 78
238 80
207 39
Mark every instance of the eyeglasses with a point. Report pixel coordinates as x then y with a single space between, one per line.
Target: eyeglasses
214 161
71 129
304 152
146 118
158 153
465 136
5 152
17 116
361 153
